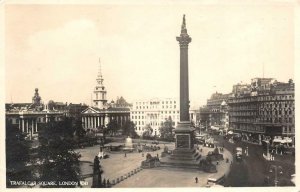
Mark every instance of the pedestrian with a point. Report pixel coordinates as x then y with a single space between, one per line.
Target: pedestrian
217 162
125 154
143 154
96 163
196 179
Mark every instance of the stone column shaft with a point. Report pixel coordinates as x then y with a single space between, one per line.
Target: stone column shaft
36 126
23 123
27 126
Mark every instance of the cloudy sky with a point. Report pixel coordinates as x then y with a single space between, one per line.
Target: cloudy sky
56 48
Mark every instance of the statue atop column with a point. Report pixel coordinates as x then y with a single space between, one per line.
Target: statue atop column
183 26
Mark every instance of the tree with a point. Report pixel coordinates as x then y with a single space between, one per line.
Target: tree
121 102
147 132
79 130
128 129
112 127
166 130
17 155
59 161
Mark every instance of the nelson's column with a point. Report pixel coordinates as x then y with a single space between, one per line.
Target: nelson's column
184 153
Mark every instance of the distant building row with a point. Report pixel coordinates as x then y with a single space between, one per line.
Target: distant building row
258 111
30 117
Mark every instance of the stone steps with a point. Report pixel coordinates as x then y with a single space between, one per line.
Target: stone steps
181 164
191 157
182 159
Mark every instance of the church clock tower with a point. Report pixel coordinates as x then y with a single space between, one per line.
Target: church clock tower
100 91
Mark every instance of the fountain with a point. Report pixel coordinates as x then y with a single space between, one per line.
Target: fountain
128 145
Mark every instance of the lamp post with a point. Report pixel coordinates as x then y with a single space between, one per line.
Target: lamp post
268 155
275 168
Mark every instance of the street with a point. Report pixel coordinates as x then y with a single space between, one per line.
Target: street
253 169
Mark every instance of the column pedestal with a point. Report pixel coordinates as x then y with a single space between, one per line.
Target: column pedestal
184 155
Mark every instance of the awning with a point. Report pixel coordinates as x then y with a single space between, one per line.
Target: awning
282 140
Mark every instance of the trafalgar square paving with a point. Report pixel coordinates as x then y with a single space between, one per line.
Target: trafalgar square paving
117 166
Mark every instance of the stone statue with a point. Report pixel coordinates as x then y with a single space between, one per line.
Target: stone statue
96 164
183 26
36 99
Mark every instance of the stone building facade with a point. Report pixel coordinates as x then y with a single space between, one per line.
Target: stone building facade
102 112
154 112
266 110
31 117
215 114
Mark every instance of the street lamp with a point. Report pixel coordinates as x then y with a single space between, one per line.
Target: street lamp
275 168
268 155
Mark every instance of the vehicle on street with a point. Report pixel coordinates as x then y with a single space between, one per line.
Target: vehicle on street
213 181
238 153
102 155
200 139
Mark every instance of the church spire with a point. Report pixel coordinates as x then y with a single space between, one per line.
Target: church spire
100 91
99 72
99 76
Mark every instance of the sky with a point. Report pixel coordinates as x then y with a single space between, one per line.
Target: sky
56 48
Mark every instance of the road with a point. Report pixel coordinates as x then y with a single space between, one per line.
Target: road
254 169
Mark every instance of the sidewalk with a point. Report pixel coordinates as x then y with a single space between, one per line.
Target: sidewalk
176 177
115 166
